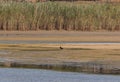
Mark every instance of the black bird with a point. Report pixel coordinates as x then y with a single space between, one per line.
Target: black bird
61 47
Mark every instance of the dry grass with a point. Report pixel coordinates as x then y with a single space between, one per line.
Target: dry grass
59 16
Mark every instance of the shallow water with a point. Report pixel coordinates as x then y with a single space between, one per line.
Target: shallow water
37 75
52 42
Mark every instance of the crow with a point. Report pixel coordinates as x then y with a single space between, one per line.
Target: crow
61 47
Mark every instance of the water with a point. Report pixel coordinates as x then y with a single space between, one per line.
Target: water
52 42
37 75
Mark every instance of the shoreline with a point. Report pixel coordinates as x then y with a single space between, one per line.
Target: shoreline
85 67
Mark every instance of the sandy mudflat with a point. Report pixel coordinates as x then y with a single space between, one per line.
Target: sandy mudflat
70 50
105 50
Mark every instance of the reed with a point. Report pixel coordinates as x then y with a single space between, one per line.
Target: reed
25 16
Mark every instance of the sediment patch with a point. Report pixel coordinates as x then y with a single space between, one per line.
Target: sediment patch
67 66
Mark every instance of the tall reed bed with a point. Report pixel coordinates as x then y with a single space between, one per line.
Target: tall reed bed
59 16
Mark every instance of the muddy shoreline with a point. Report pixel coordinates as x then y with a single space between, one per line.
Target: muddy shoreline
85 67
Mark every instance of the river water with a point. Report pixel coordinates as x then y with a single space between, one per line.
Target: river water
38 75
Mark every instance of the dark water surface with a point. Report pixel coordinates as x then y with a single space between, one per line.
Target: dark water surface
37 75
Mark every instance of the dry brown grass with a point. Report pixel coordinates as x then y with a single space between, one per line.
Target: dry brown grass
59 16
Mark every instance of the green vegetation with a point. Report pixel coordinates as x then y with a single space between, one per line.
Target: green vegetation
59 16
